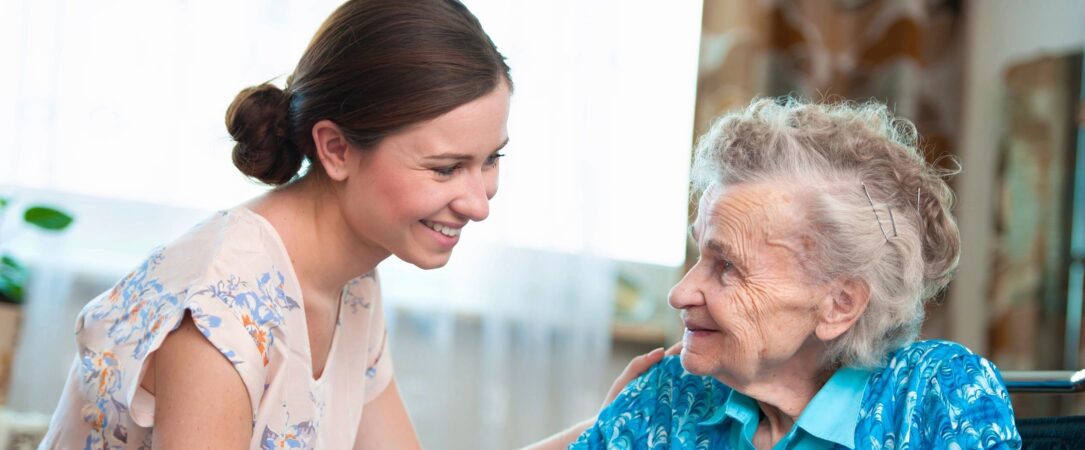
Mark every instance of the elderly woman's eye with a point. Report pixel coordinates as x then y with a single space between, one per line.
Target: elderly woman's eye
726 266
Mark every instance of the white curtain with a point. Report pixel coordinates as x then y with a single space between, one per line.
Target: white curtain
529 364
115 107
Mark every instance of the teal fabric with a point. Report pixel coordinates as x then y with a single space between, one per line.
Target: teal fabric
818 426
930 394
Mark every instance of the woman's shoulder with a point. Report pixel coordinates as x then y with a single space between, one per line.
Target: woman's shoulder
924 378
225 268
665 405
230 243
234 237
948 361
670 374
668 387
927 350
934 393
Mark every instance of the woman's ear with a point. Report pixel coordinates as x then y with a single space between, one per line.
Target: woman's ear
841 308
332 148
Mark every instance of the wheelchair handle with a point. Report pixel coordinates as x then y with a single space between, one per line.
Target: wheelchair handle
1049 381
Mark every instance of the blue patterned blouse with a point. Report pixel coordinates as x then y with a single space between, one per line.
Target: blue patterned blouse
931 394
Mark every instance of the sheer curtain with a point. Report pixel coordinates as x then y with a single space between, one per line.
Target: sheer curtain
114 107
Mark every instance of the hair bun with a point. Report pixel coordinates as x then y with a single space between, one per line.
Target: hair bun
257 120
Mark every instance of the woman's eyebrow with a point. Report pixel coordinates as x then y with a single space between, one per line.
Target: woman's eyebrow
714 245
464 156
719 247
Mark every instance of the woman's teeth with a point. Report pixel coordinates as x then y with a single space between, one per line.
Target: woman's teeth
450 232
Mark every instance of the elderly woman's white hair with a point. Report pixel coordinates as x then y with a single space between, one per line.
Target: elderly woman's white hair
877 211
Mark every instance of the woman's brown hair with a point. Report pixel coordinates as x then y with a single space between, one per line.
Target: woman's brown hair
373 68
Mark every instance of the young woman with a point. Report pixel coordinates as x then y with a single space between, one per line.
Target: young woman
262 326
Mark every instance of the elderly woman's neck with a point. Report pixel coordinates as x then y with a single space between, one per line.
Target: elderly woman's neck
783 400
781 405
783 395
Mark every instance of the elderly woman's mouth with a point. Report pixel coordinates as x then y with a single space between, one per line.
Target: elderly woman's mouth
699 330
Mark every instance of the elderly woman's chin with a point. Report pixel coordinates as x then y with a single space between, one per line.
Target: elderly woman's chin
696 364
708 359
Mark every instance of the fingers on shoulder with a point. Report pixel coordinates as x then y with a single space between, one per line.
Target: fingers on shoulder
674 349
640 364
648 359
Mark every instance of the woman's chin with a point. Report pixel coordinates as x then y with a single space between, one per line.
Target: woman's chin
425 260
430 265
696 364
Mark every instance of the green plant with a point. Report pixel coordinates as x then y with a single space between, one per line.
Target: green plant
13 274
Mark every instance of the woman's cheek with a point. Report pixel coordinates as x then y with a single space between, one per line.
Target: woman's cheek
743 316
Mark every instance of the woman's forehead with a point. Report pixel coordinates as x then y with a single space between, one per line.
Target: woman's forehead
754 205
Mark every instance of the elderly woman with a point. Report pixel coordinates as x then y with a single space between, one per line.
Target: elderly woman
822 232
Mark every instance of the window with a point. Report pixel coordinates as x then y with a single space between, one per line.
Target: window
125 100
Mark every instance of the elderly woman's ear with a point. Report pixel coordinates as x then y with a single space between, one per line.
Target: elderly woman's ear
841 307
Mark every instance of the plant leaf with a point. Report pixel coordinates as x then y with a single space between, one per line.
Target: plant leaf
17 275
47 218
10 291
13 277
3 202
8 261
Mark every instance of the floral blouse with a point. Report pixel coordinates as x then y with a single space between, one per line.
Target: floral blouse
932 394
233 275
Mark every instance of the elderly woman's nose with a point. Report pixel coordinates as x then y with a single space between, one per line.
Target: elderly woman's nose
685 294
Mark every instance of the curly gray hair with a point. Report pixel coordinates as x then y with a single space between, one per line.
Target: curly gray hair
906 251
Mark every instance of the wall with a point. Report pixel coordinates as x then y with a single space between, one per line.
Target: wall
999 33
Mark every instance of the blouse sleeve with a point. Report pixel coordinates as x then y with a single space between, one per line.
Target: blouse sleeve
226 331
119 333
968 406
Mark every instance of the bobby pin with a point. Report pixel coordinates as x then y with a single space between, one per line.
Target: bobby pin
877 217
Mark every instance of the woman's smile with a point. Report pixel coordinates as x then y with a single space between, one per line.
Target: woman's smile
446 235
697 329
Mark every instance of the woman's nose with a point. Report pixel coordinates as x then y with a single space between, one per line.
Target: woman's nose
686 293
473 202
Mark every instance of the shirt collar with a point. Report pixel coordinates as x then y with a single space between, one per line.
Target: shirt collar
737 407
840 397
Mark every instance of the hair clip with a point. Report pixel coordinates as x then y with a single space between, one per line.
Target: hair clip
878 218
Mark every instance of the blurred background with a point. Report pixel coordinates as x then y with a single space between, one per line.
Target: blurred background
112 112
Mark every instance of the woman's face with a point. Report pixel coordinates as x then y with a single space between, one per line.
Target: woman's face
412 195
748 306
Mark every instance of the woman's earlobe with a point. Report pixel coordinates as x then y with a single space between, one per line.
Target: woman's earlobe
331 148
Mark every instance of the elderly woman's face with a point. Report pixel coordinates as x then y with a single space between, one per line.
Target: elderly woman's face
748 306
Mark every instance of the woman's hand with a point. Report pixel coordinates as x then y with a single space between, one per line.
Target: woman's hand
636 367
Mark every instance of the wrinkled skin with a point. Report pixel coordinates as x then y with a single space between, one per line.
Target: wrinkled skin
750 309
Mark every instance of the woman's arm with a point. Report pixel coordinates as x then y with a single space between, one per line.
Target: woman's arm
562 439
385 423
200 399
635 368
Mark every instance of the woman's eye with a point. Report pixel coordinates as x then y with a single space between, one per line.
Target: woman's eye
492 159
446 171
726 266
